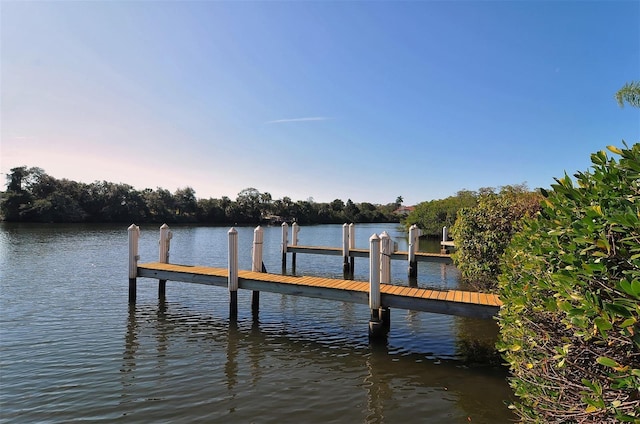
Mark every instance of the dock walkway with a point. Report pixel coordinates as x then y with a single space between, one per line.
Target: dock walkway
450 302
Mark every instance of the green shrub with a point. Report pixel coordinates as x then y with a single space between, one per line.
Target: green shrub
483 232
571 289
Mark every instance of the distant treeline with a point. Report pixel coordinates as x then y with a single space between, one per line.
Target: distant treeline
34 196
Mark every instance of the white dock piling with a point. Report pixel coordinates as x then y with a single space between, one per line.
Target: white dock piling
134 236
295 228
376 328
233 273
345 250
163 257
413 264
285 242
256 264
386 247
445 238
374 272
352 245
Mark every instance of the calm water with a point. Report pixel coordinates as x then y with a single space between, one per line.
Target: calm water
72 350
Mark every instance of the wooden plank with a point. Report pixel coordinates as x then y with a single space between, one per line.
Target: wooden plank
466 297
450 296
429 294
413 292
457 296
396 289
483 299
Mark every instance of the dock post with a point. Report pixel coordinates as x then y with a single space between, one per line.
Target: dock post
345 250
386 248
232 281
134 235
164 243
413 264
285 241
385 257
294 242
445 238
256 266
376 329
352 245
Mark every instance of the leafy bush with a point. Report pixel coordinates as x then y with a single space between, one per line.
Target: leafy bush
483 232
571 288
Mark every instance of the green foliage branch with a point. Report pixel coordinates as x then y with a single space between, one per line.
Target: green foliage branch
571 289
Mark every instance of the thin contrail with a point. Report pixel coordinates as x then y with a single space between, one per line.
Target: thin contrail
313 118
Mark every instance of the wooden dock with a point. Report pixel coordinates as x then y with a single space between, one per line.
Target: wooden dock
364 253
450 302
349 252
378 293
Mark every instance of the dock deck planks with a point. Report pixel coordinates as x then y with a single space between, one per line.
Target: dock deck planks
451 302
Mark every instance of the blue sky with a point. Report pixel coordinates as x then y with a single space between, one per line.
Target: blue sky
360 100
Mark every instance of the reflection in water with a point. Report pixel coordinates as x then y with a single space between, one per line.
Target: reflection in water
130 349
231 365
378 390
250 349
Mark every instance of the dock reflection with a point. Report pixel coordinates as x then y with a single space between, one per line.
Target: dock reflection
237 357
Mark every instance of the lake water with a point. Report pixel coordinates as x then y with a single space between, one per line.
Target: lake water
73 350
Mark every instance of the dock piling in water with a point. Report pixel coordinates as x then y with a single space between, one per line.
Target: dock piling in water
445 239
285 242
232 281
345 251
295 228
352 245
164 246
134 236
376 329
257 265
411 253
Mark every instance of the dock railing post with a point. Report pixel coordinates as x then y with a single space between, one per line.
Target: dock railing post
285 241
345 250
352 245
232 281
376 329
386 248
256 265
295 228
445 238
134 236
413 264
164 246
